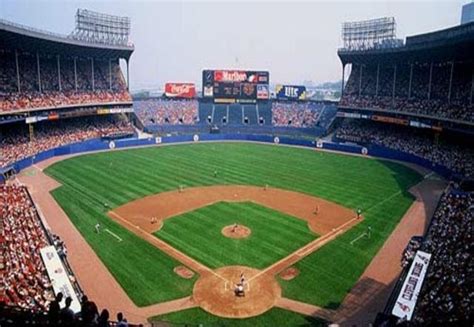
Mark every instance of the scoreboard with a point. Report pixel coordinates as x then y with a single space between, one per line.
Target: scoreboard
229 86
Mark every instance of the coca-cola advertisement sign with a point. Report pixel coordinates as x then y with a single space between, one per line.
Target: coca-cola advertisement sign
180 90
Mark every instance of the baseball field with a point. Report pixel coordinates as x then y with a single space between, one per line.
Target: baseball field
286 198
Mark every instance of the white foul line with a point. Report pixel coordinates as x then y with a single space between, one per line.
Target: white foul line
114 235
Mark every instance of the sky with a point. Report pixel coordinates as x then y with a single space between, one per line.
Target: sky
296 41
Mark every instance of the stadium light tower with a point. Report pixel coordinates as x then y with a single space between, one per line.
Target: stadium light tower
101 28
369 34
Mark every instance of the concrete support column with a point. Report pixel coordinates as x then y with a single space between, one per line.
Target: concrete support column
39 71
75 73
92 69
450 81
17 71
429 82
394 83
409 83
59 73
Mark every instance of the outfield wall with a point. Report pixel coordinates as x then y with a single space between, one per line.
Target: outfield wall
101 144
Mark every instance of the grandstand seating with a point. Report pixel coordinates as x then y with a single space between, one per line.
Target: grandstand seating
420 97
25 283
456 157
106 85
446 295
296 114
166 112
16 144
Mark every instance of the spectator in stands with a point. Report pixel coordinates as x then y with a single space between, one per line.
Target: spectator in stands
16 144
167 111
54 309
436 100
296 114
457 158
447 297
50 94
26 284
66 314
89 311
104 319
121 321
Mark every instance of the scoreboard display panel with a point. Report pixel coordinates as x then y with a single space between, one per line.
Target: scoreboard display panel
229 86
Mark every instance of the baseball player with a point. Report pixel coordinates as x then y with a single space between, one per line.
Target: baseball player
97 228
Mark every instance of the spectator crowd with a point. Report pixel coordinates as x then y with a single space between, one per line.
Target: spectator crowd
456 157
16 144
295 114
418 97
447 295
98 82
25 283
166 111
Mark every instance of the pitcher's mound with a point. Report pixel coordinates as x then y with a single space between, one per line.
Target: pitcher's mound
215 293
183 272
236 231
289 273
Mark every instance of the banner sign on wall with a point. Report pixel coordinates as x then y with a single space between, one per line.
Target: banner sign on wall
59 277
290 92
180 90
406 301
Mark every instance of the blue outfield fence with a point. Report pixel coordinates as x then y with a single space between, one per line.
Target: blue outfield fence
101 144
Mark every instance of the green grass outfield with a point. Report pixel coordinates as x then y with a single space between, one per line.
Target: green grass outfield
198 234
117 177
273 317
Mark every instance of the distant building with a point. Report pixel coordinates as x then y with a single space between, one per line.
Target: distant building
467 15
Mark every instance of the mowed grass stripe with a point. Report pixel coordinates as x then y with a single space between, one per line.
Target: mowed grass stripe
118 177
273 317
198 233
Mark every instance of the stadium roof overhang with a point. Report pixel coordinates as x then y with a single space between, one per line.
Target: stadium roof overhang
18 38
452 44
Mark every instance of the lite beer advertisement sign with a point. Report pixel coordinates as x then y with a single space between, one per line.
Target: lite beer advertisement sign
290 92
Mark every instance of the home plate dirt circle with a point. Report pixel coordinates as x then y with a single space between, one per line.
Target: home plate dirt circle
236 231
214 292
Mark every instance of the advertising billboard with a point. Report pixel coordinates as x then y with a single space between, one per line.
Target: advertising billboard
180 90
408 296
290 92
228 86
